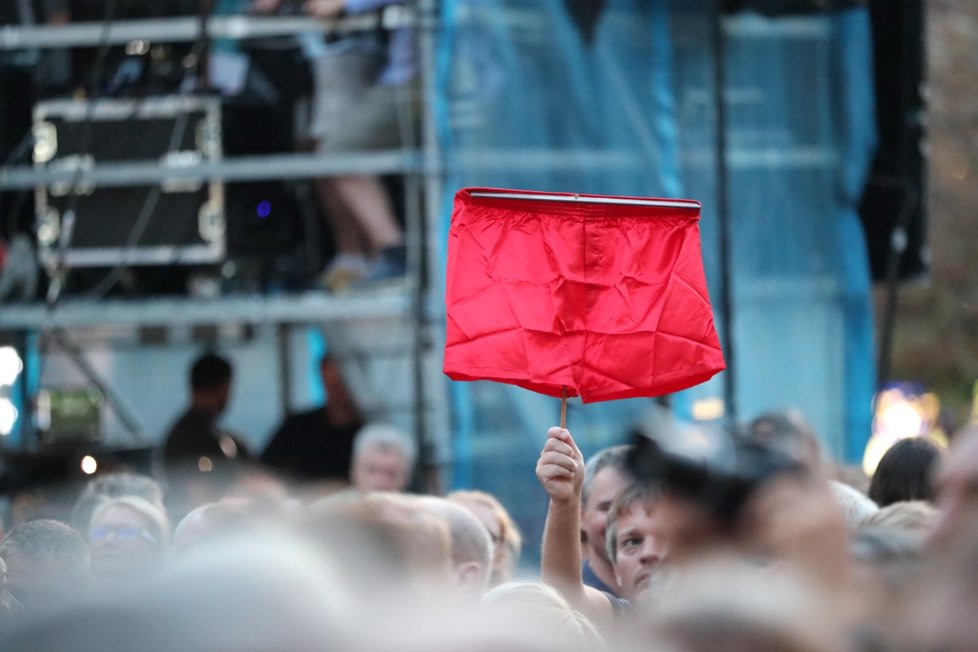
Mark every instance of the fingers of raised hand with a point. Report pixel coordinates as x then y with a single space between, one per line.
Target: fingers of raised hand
558 446
566 464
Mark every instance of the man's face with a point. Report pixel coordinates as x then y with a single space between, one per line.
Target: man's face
380 469
638 549
121 544
594 512
223 396
957 490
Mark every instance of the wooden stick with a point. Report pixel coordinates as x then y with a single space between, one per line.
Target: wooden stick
563 408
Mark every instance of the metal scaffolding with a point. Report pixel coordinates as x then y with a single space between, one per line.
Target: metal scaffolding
412 303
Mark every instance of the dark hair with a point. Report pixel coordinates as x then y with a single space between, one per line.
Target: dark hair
46 539
209 371
905 472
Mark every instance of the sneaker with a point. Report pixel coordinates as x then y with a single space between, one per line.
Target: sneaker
345 270
390 264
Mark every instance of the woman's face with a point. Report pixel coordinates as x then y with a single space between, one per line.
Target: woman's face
122 543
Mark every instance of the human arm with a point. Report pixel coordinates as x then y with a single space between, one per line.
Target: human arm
560 470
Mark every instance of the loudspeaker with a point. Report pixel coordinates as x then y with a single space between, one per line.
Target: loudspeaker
177 222
893 203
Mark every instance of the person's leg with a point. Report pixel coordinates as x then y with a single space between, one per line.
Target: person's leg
342 222
351 262
366 198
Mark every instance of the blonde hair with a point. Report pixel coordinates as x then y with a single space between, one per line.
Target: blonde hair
544 609
508 529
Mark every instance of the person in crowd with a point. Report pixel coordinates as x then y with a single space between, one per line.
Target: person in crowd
383 458
541 613
795 518
195 435
114 485
732 605
364 98
789 433
787 515
261 594
957 481
935 607
318 444
471 547
633 547
216 522
47 563
8 606
200 457
560 470
384 545
906 472
604 476
127 538
506 539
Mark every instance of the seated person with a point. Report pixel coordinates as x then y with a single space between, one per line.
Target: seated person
318 444
364 97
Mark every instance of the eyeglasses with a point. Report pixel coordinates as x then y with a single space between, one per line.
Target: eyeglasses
121 532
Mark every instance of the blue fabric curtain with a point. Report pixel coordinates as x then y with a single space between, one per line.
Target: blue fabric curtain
525 102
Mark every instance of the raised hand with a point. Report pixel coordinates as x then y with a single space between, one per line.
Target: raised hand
560 468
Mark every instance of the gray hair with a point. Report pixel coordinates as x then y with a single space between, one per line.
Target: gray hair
114 485
385 437
612 457
157 518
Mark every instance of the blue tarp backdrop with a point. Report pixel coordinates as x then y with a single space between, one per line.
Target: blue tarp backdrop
525 102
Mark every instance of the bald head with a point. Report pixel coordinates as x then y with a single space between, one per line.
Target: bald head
471 545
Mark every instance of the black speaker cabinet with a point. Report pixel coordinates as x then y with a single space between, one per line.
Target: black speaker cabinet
175 222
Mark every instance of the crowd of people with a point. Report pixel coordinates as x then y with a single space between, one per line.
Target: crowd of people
751 544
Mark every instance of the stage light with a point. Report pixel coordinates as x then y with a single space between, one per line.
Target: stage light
901 412
264 209
89 465
10 365
8 416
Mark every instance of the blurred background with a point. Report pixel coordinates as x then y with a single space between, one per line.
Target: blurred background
167 188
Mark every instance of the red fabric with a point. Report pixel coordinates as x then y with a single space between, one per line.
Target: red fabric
609 301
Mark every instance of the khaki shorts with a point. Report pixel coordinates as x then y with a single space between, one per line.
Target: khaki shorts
352 112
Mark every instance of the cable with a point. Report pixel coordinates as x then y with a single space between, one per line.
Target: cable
59 274
112 277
